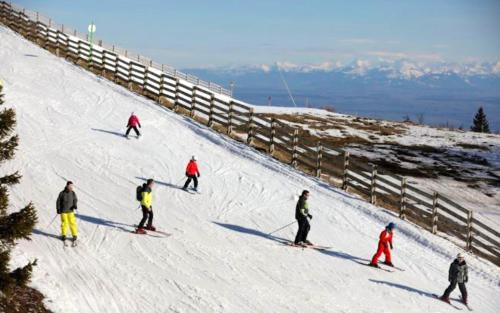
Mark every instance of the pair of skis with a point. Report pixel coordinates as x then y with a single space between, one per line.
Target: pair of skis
451 304
74 243
129 137
161 234
306 246
191 190
390 269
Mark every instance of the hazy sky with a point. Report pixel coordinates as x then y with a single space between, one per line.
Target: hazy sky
211 33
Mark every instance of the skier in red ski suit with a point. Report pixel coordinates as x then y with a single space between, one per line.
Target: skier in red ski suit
133 122
192 173
385 241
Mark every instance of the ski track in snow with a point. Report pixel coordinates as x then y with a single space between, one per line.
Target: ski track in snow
219 258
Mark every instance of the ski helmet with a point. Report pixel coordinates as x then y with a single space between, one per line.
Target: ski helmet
194 158
391 226
460 255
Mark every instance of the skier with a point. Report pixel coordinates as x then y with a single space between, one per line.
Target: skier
385 241
301 215
457 274
147 207
66 206
133 122
192 173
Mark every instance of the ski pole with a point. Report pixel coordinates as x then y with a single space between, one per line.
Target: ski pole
50 224
280 228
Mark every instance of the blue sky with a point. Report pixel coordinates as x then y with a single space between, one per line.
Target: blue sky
189 33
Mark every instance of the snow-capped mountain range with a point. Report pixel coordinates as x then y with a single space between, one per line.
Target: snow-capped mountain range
447 93
393 69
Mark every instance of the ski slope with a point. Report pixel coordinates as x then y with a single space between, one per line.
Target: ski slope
218 258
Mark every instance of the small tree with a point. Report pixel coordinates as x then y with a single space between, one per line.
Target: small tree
16 225
480 123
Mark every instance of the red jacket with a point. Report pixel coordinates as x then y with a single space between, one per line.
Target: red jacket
192 168
133 121
385 237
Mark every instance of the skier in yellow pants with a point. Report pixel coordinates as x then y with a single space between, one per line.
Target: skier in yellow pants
66 206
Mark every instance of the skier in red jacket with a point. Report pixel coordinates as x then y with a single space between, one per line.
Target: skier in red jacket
133 122
385 241
193 173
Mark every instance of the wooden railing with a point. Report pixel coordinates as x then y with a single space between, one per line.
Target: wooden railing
186 95
60 33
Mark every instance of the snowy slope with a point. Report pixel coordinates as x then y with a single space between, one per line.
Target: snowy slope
218 258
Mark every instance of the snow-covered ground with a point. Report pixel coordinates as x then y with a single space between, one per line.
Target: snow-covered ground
219 258
474 158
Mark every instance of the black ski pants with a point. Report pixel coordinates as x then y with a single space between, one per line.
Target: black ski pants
146 215
304 228
188 181
452 286
135 129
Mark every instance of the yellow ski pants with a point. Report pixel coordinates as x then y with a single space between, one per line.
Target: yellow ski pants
69 219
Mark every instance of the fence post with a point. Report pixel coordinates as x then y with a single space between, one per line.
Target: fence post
103 69
250 127
271 138
230 119
177 97
129 75
193 102
160 92
319 157
434 213
373 186
211 115
344 174
402 207
57 43
146 71
295 144
78 51
469 231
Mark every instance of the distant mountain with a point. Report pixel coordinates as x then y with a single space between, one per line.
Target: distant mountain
447 93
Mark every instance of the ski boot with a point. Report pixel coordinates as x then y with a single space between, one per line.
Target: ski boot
152 228
445 299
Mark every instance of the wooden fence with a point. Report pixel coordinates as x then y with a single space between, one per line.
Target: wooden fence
186 95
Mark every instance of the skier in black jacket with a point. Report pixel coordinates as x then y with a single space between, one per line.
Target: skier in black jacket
66 205
301 215
457 275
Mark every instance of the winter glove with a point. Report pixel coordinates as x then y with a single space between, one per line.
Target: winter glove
187 174
58 211
198 175
390 244
73 208
310 216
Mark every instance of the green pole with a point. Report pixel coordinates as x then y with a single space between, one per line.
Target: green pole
91 30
